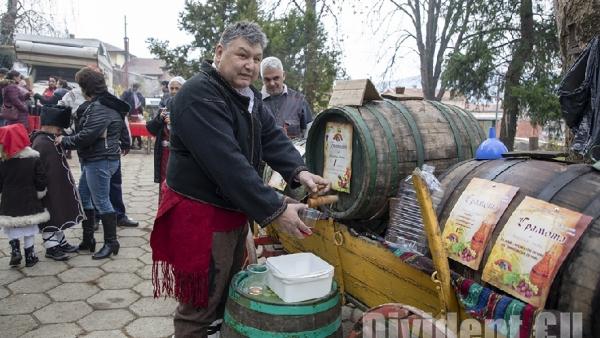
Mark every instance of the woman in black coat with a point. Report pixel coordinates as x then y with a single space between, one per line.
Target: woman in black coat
98 144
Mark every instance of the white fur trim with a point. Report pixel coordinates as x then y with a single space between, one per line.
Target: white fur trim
41 194
22 221
27 152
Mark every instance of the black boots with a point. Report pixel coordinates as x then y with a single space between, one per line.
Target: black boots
125 221
111 246
30 257
56 254
88 242
67 247
15 253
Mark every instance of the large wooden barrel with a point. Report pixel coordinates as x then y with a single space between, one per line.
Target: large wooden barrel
576 287
390 139
268 316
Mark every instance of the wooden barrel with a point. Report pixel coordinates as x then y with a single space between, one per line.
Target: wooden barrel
390 139
576 287
268 316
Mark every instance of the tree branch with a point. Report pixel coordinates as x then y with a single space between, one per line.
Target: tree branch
298 7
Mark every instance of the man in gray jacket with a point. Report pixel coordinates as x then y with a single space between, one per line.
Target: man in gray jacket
289 107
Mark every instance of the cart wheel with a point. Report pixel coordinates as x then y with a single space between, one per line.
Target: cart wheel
382 320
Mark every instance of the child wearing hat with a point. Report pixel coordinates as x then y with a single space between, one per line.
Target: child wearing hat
23 185
62 199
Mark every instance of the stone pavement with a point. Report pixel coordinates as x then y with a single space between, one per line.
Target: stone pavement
86 298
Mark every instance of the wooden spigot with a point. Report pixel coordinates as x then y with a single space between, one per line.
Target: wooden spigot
315 201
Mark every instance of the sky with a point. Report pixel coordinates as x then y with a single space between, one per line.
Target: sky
104 20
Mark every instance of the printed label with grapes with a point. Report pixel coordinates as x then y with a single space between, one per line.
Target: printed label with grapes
531 248
473 219
338 155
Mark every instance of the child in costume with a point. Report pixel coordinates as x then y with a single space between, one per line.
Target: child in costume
23 185
62 199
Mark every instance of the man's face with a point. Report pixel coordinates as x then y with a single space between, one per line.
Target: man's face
174 88
239 62
273 80
52 82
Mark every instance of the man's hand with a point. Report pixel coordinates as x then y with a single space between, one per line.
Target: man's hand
58 139
165 117
314 183
290 223
125 151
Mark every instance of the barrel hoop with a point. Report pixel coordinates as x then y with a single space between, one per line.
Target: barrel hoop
275 309
367 139
389 135
412 125
251 332
480 131
468 128
593 209
563 179
453 184
450 169
455 133
493 174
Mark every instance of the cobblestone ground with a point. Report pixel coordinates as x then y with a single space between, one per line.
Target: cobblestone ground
86 298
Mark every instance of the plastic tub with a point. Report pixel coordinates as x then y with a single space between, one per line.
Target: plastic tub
299 277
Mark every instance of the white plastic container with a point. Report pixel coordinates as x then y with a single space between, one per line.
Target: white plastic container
299 277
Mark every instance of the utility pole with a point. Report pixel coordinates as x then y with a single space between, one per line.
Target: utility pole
126 65
497 101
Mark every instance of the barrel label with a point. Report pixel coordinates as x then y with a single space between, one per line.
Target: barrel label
531 248
473 219
338 155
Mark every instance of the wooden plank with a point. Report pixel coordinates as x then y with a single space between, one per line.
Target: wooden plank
539 155
353 93
401 97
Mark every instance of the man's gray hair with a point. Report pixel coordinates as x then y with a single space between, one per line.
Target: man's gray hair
250 31
270 62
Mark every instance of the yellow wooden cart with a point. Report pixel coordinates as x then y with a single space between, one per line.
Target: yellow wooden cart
370 274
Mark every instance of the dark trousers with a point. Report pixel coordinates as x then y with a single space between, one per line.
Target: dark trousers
139 141
227 260
116 193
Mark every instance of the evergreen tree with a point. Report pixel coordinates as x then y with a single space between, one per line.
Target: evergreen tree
314 76
514 40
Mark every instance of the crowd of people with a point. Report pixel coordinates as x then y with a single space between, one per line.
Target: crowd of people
213 133
87 119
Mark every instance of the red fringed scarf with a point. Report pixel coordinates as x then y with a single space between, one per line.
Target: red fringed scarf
181 244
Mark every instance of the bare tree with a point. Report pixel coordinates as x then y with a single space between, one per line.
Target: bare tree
437 27
25 17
